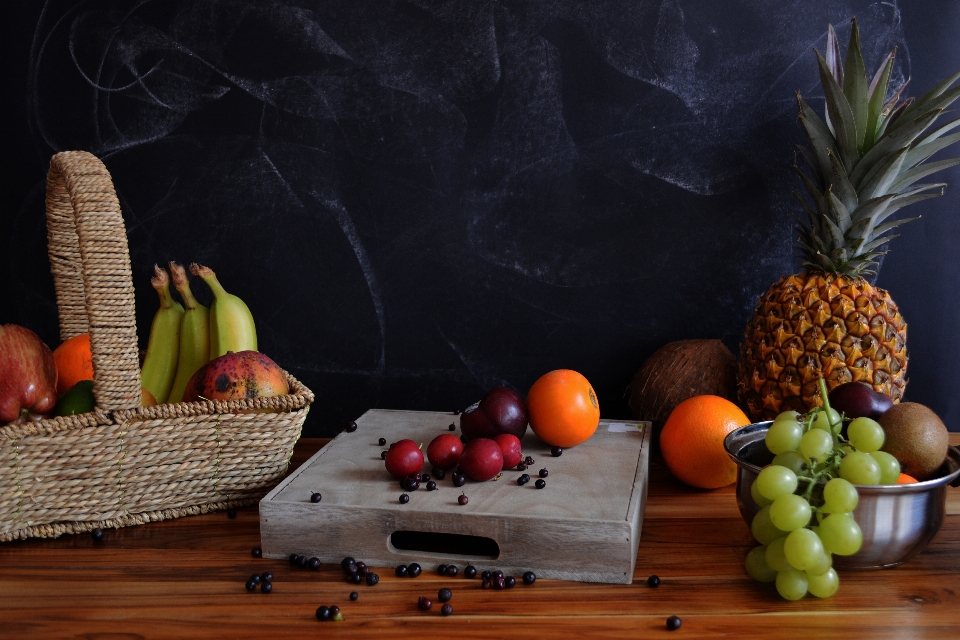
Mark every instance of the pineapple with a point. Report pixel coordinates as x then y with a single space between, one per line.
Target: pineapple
863 164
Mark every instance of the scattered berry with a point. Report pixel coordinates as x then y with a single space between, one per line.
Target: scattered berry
383 455
529 577
361 568
251 585
425 478
469 571
323 613
463 499
355 578
456 412
97 535
444 595
556 452
521 467
424 603
382 442
413 570
315 497
486 584
529 461
459 479
293 558
540 484
544 473
255 579
346 562
447 609
431 486
452 427
266 587
354 595
231 513
510 582
452 571
404 498
334 612
372 579
256 552
439 473
497 574
266 576
351 426
442 569
401 570
673 623
499 583
313 564
522 480
654 581
303 561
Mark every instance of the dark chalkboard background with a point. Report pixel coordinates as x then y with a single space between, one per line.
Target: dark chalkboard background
422 200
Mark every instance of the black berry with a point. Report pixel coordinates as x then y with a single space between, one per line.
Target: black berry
431 486
313 564
486 575
293 558
439 473
413 570
521 467
323 613
529 577
522 480
544 473
556 452
382 442
463 499
334 611
372 579
97 535
401 570
256 552
354 595
352 569
251 585
355 578
266 587
346 562
497 574
424 603
266 576
452 571
452 427
361 568
425 478
673 623
442 569
654 581
529 461
456 412
303 561
315 497
469 571
404 498
255 579
486 584
499 583
383 455
459 479
351 426
540 484
444 595
446 609
231 513
510 582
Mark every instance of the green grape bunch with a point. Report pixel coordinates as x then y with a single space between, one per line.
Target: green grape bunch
807 496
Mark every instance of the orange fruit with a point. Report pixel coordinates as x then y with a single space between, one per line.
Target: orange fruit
74 362
906 479
563 408
691 441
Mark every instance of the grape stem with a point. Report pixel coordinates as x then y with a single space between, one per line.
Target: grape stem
826 407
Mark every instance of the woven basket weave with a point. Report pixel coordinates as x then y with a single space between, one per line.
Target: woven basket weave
123 464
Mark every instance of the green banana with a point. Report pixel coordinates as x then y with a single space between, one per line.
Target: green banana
194 334
163 349
231 323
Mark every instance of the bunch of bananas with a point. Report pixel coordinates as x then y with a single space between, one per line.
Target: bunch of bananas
184 337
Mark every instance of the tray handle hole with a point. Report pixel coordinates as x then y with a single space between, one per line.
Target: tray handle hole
453 544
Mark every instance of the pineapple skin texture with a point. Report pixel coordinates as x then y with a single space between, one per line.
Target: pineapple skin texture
810 325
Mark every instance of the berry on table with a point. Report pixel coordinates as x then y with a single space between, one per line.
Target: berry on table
529 577
452 571
401 570
413 570
372 579
424 603
673 623
266 587
522 480
404 498
543 473
323 613
256 552
463 499
252 585
266 576
654 580
315 497
442 569
444 595
97 535
351 426
556 452
540 484
354 595
382 442
469 571
313 564
446 609
231 513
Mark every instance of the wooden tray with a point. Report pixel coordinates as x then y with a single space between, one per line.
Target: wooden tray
584 525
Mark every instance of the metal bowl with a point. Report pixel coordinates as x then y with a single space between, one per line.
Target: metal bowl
897 521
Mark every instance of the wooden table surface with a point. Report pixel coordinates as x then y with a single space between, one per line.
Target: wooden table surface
185 578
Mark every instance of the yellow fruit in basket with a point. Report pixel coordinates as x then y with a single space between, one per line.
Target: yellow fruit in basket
691 441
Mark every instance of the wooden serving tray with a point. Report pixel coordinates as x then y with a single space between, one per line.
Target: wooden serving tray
584 525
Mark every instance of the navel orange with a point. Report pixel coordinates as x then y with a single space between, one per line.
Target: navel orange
74 362
691 441
562 408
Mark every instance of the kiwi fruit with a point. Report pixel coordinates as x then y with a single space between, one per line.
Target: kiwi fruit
916 437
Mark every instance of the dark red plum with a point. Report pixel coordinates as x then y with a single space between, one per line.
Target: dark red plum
510 448
858 400
481 460
444 451
501 410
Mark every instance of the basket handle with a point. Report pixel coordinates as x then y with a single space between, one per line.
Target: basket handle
90 261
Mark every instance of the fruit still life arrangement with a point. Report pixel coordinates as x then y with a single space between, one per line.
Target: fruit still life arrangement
193 353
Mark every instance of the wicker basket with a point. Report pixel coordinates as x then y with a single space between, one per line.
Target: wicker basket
122 464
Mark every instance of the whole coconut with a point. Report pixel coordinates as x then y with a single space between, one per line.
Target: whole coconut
678 371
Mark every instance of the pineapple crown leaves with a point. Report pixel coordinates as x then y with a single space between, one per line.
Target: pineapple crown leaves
865 159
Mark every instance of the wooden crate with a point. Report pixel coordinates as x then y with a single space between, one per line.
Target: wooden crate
584 525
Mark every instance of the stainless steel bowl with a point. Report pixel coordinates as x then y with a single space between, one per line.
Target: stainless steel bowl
897 521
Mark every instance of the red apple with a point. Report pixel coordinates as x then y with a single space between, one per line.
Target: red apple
510 448
404 458
444 451
501 410
482 459
28 375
